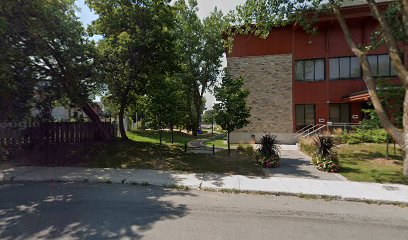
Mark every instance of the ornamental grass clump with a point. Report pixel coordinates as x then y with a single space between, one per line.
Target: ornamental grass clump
268 154
325 157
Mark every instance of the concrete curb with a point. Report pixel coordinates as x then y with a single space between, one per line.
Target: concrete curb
325 189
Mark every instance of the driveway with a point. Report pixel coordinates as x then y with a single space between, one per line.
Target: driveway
295 164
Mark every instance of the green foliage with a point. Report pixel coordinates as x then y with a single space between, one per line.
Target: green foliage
46 56
258 17
200 48
109 107
392 98
165 103
372 122
232 111
361 135
138 48
248 150
268 154
325 157
208 117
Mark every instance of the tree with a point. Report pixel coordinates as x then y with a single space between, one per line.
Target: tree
47 54
200 48
232 111
259 16
208 116
138 44
165 104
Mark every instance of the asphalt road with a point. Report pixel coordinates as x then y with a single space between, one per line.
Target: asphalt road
103 211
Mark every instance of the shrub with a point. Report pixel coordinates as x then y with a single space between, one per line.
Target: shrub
325 156
338 134
248 150
365 136
307 146
268 154
241 148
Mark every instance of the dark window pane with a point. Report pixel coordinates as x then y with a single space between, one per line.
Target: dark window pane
334 114
355 71
309 114
345 67
299 70
319 69
383 65
334 68
300 115
309 70
372 61
344 113
392 73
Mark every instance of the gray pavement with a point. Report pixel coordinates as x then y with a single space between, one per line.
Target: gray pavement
198 146
294 164
113 211
339 189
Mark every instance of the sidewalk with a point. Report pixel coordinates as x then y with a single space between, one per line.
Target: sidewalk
387 193
198 146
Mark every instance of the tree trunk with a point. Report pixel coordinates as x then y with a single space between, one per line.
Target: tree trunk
104 132
194 131
121 125
172 134
160 147
405 153
405 125
143 124
368 79
196 124
228 143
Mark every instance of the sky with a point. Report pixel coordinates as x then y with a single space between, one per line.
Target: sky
205 7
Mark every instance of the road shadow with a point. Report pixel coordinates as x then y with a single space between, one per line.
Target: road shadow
293 164
88 211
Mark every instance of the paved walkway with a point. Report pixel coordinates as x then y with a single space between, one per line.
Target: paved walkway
198 146
294 164
340 189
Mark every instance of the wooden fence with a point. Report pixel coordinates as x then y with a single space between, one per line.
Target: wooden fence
53 133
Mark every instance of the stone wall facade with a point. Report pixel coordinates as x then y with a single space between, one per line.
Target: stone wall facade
269 81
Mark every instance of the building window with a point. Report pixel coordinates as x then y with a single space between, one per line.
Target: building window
381 65
309 70
344 68
305 115
339 113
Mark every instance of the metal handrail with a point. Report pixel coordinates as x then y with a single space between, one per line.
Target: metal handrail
321 126
304 128
310 130
340 124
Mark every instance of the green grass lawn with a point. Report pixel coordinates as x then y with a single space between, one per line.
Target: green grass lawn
218 143
136 154
222 143
367 162
150 136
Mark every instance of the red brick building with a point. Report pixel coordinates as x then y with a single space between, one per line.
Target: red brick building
296 79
